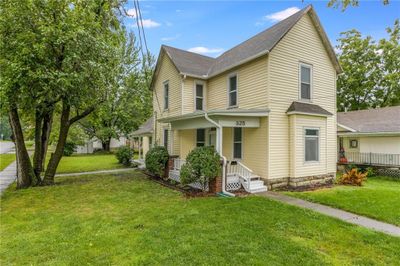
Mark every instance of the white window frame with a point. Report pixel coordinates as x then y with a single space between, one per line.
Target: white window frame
166 95
205 136
229 89
233 144
199 82
319 144
302 64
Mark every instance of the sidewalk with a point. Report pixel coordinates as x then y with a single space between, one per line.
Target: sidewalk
8 176
336 213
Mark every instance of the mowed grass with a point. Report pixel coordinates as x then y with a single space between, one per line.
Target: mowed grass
87 162
125 219
378 198
5 160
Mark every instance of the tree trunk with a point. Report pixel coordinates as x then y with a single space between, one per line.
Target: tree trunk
106 144
62 138
26 176
46 129
37 156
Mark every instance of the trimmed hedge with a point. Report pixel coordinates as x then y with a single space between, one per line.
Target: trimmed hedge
124 155
156 160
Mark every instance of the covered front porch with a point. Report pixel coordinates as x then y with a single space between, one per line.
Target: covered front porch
239 136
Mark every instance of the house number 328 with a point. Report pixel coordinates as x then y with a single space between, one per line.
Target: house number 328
240 123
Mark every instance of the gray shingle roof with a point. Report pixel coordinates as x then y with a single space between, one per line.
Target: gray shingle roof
146 128
188 62
300 107
372 121
262 43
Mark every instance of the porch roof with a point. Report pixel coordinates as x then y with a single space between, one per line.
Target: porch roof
237 112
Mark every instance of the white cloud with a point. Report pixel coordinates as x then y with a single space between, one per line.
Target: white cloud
171 38
131 13
169 24
148 23
281 15
178 11
205 50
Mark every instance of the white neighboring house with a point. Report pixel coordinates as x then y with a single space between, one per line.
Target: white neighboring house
91 145
370 136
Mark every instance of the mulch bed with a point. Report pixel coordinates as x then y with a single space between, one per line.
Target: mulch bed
188 191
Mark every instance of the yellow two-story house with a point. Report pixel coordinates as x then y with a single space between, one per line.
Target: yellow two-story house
268 106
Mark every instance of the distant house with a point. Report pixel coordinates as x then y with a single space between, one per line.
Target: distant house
267 105
370 136
145 137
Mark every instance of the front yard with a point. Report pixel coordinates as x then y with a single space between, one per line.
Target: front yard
6 159
87 162
378 198
126 219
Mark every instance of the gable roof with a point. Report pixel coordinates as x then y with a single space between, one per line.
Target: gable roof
372 121
200 66
146 128
307 108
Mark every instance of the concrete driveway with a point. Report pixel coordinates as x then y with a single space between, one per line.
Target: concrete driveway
6 146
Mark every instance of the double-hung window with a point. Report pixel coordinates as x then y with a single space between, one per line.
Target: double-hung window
199 96
165 138
166 95
305 81
232 91
237 142
311 143
201 137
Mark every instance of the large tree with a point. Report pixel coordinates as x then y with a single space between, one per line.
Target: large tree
55 56
344 4
129 102
371 70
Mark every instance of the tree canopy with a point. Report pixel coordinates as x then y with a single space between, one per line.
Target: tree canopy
371 70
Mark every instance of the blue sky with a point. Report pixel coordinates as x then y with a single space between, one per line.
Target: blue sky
212 27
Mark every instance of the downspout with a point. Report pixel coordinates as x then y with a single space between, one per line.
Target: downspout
219 139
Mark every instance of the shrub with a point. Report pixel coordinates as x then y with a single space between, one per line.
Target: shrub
124 155
69 148
156 160
370 172
353 177
202 165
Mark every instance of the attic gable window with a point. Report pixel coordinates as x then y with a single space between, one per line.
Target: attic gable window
232 91
305 81
166 95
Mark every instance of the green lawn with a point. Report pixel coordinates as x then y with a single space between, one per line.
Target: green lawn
378 198
125 219
5 160
87 162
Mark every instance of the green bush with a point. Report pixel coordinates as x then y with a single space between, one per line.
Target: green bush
124 155
156 160
202 165
69 148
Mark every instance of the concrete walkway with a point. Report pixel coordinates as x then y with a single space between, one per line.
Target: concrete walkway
336 213
97 172
8 176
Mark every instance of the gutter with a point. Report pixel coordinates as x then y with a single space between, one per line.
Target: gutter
219 136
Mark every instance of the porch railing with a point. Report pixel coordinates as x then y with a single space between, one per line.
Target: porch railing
370 158
178 164
243 173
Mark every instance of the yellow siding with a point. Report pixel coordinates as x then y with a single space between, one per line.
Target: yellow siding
175 150
303 168
252 86
227 143
187 141
301 44
167 72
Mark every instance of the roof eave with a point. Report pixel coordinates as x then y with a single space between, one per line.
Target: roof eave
307 113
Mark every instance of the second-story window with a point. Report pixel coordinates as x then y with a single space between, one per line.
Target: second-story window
232 91
305 81
199 96
166 95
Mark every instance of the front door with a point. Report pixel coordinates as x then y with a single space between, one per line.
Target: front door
212 137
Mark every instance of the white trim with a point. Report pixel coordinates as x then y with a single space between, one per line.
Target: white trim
304 145
346 127
305 113
195 83
241 143
369 134
310 66
229 76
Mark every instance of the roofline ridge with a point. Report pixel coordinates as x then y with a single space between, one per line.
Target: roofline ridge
209 57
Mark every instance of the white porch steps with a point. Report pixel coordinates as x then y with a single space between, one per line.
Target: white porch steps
256 185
